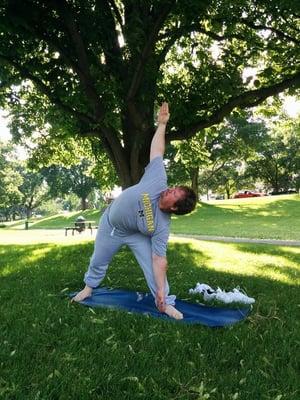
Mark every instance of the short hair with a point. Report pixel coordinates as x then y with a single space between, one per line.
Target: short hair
188 203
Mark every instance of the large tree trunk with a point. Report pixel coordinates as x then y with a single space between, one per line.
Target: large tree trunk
130 167
131 158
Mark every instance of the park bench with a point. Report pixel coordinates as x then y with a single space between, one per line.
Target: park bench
80 225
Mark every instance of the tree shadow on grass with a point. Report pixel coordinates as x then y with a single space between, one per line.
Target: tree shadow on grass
287 253
279 208
53 268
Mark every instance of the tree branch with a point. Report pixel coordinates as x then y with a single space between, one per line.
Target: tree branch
110 43
34 30
174 34
26 74
108 135
213 171
248 99
84 68
279 33
195 27
138 73
117 13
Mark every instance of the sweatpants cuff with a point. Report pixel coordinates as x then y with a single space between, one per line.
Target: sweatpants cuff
91 283
170 300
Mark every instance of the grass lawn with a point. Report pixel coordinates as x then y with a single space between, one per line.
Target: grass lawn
52 349
272 217
58 221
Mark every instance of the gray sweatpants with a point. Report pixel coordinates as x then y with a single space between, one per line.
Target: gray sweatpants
107 243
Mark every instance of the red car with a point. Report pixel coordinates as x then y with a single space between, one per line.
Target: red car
247 193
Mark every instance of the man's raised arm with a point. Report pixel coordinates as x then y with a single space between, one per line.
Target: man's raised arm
158 141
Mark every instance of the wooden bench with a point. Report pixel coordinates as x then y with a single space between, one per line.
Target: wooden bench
80 228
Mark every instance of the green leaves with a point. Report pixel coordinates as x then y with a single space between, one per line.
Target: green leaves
71 70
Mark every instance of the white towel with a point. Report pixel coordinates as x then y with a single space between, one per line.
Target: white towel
234 296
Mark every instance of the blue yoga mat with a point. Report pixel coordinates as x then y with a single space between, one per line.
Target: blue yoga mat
144 303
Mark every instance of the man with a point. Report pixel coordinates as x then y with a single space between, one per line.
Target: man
140 218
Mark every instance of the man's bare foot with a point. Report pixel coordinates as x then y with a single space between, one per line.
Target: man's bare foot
83 294
172 312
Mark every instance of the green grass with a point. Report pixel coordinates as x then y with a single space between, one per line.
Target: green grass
58 221
52 349
273 217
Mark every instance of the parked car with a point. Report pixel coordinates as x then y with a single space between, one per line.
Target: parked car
247 193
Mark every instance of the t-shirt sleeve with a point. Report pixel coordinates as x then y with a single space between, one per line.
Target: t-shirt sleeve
159 242
155 176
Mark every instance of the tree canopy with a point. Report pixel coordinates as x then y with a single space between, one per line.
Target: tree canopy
96 69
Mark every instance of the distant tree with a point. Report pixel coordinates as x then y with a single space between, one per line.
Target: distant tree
82 184
96 69
185 160
227 180
277 158
34 190
206 159
57 178
76 179
10 179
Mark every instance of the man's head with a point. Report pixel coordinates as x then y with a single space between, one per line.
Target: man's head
178 200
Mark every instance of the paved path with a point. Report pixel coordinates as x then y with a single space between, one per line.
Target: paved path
34 236
58 236
240 240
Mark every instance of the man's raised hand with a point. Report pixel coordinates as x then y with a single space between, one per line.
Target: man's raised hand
163 114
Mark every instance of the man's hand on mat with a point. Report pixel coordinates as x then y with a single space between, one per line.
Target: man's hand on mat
83 294
172 312
160 300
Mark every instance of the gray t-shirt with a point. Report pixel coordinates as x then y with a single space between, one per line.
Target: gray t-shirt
136 209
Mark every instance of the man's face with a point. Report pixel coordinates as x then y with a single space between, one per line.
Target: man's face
169 197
